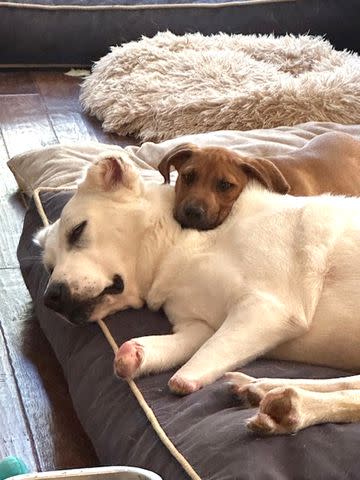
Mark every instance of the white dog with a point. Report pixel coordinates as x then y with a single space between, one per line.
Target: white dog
280 277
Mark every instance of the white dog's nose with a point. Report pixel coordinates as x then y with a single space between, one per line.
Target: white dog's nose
57 296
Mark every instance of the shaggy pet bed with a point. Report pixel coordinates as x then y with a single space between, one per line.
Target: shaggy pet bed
168 85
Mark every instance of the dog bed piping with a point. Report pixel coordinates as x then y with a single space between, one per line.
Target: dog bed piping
110 339
164 6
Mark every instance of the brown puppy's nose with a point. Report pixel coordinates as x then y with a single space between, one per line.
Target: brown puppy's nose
194 213
57 296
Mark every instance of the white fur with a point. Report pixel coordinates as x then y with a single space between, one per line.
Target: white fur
277 277
280 277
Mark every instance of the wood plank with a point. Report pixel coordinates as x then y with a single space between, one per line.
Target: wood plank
14 83
8 183
109 138
94 126
59 91
24 123
57 434
41 426
11 213
70 127
11 220
16 305
78 128
60 94
15 435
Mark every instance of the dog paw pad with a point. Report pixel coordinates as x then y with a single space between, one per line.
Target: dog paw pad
279 412
182 386
128 359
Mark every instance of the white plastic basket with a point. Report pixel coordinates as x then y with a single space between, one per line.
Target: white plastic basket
98 473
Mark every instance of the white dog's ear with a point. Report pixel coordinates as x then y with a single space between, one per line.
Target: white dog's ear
41 236
110 173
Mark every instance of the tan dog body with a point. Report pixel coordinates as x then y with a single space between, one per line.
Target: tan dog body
330 163
212 178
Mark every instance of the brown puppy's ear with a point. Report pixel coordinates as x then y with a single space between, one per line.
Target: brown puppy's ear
110 173
176 157
266 173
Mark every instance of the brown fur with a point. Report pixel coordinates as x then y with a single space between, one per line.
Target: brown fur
212 178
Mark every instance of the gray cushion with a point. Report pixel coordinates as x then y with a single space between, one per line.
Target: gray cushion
77 32
207 427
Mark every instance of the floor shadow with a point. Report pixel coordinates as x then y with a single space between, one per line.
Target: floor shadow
69 445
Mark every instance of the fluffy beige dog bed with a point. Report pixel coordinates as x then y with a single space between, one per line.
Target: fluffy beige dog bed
171 85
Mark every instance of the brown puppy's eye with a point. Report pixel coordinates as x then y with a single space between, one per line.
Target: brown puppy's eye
188 178
76 233
224 186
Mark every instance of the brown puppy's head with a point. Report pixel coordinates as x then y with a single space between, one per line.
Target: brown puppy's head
211 179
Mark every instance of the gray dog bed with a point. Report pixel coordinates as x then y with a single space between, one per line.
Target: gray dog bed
202 435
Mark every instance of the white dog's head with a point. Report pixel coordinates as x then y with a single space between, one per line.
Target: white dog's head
91 250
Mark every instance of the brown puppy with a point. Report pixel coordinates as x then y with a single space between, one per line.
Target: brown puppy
211 178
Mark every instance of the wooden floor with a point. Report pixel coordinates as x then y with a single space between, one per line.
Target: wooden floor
37 421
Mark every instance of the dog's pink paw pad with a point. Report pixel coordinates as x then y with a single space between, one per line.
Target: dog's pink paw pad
128 359
183 386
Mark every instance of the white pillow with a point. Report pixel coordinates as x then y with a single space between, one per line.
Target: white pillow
63 165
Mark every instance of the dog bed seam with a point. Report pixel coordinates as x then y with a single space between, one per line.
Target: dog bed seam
165 6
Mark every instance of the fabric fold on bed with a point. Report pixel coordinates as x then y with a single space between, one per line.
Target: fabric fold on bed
63 165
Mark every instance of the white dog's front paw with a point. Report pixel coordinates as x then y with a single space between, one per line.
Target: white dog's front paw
128 359
181 385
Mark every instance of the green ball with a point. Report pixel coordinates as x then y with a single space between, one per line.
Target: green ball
11 466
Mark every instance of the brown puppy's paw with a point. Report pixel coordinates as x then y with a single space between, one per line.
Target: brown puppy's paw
279 413
246 387
183 386
128 359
